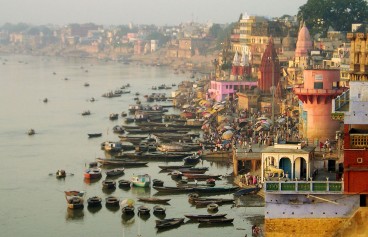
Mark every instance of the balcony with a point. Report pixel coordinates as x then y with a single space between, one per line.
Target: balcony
304 187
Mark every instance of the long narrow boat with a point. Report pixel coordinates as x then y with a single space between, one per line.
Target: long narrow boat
115 172
199 170
204 216
173 189
216 220
174 167
92 173
121 162
167 223
201 176
154 200
215 189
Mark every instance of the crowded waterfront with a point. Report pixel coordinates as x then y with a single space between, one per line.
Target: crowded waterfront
60 142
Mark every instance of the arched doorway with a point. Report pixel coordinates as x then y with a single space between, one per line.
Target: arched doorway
285 164
300 168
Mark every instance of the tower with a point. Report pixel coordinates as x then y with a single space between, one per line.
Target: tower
320 87
303 47
269 72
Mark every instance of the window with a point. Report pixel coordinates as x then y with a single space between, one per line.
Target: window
318 85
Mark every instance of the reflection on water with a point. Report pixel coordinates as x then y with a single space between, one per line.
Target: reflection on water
217 225
92 181
94 209
127 219
144 216
112 208
74 214
141 191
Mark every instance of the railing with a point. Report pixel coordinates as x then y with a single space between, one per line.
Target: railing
319 91
304 187
342 100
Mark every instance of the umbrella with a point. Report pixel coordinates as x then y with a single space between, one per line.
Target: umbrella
127 202
227 135
186 106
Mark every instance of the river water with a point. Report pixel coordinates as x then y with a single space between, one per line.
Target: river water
32 200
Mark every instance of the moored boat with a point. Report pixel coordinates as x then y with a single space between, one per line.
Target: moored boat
201 176
94 201
216 220
74 199
141 180
112 201
92 173
123 183
109 184
154 200
127 209
174 167
114 172
212 207
166 189
121 162
159 210
204 216
168 223
157 182
143 210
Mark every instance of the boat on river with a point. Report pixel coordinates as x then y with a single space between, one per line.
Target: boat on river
174 167
91 135
94 201
168 223
215 189
159 210
245 191
108 184
216 220
60 174
167 189
114 172
124 183
143 210
92 173
154 200
121 162
204 216
201 176
141 180
74 199
112 201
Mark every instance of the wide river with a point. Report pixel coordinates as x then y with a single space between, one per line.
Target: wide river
32 199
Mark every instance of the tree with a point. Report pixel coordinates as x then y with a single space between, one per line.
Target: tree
319 15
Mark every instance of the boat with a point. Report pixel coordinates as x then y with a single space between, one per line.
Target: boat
201 176
123 183
157 182
154 200
92 173
94 201
176 174
143 210
174 167
113 116
200 204
45 100
118 129
193 159
121 162
112 146
212 207
127 209
114 172
91 135
60 174
216 220
194 170
168 223
166 189
159 210
75 199
215 189
109 184
112 201
194 197
245 191
31 132
87 112
75 202
142 180
204 216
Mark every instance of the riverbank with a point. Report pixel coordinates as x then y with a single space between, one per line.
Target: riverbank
197 63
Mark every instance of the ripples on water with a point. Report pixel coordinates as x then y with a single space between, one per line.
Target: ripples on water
33 202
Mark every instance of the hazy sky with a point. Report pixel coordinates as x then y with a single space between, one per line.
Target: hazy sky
159 12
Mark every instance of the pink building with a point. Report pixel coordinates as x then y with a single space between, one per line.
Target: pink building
220 90
320 87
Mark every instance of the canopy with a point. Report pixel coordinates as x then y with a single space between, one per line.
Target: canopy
127 202
227 135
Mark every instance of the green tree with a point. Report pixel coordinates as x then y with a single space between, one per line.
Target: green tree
319 15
